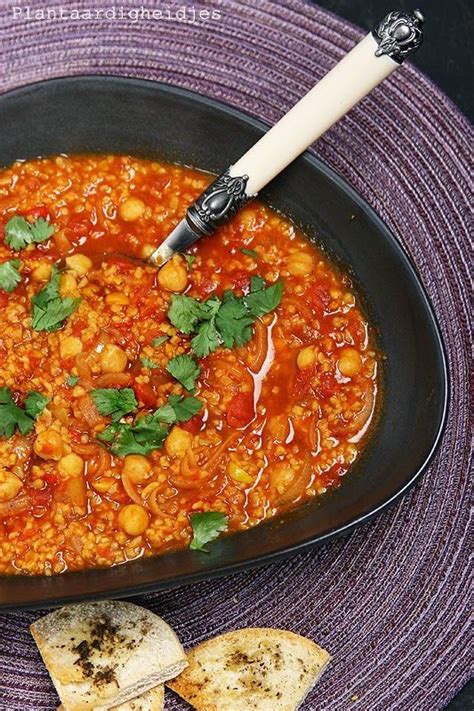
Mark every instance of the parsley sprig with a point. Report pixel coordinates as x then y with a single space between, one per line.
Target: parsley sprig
116 402
227 322
10 275
147 432
49 308
206 528
19 233
185 369
12 416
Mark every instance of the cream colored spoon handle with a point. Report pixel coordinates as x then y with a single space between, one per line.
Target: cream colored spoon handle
362 69
341 89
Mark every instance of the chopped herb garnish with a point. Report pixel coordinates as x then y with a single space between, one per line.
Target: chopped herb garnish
49 308
185 369
228 322
72 380
262 301
206 528
19 233
149 363
158 341
249 252
189 259
185 312
116 402
150 431
143 437
35 403
13 416
10 276
184 407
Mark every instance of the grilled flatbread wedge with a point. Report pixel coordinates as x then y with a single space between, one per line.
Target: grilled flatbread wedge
254 669
102 654
152 700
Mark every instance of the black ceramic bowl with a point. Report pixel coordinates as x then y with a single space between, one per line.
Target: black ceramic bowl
98 114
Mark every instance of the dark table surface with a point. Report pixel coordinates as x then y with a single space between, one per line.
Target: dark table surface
447 57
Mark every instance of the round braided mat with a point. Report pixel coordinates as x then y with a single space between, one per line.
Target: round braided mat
388 601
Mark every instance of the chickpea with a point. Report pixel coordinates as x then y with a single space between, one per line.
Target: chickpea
42 272
147 250
10 485
350 362
70 346
137 467
49 445
173 276
79 263
131 209
68 285
178 441
113 359
133 519
300 264
306 357
71 465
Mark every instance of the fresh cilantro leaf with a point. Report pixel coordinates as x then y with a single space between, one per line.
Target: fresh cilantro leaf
189 259
49 308
185 369
206 528
12 416
249 252
9 275
145 435
207 338
228 322
158 341
233 321
256 283
185 312
35 403
19 233
184 407
72 380
165 414
149 363
116 402
264 300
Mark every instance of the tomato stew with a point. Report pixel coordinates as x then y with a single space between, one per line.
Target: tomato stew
129 412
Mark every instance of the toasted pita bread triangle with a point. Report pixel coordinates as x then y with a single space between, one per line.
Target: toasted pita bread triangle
254 669
102 654
152 700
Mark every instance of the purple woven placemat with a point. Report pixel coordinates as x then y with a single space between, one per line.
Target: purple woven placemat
389 601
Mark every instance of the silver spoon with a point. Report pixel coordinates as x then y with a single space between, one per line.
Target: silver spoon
360 71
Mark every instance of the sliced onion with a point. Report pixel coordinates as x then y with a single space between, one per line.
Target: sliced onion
258 348
130 488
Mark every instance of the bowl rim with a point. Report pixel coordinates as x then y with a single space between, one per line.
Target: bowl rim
282 552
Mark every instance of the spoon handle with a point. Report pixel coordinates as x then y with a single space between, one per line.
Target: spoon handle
361 70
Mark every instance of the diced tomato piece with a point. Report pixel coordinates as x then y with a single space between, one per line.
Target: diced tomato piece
3 299
145 394
241 280
193 425
51 478
38 211
328 385
318 298
240 410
